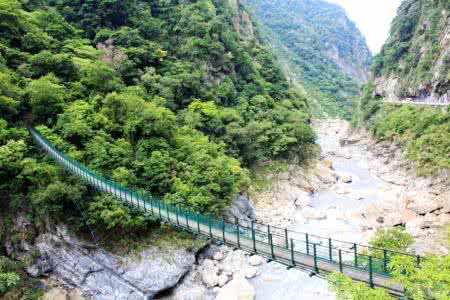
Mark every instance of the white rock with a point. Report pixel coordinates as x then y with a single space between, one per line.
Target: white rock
190 293
251 272
255 260
422 202
209 273
346 178
237 289
414 227
393 219
223 279
444 201
311 213
219 255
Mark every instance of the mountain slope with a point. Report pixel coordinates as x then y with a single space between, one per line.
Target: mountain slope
413 65
322 49
415 61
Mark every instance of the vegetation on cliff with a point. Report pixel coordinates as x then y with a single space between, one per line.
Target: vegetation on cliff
416 52
423 131
166 96
322 49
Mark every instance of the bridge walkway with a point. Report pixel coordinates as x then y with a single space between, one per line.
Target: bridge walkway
293 249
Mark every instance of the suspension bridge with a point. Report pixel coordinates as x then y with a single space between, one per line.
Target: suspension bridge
293 249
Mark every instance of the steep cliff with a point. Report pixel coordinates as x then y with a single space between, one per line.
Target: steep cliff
322 49
414 63
413 66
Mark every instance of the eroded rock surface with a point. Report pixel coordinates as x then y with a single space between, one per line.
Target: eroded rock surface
100 274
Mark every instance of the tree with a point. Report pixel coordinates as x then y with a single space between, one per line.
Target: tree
106 211
430 281
46 98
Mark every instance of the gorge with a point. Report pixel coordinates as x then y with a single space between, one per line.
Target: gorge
271 111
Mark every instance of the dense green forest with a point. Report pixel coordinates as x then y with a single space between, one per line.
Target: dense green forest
323 50
164 96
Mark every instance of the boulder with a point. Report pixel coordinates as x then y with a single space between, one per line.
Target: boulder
251 272
408 215
209 273
422 202
223 279
241 208
219 255
414 227
210 277
237 289
302 183
391 201
393 219
324 174
346 178
234 262
328 164
311 213
255 260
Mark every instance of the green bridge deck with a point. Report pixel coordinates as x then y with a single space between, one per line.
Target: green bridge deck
294 249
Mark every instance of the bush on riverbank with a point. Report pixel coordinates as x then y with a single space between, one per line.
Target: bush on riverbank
430 281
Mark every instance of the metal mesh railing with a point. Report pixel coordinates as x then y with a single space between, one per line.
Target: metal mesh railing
286 246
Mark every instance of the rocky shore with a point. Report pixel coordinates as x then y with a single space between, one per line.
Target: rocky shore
356 187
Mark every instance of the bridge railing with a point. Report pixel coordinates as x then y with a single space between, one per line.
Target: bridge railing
270 239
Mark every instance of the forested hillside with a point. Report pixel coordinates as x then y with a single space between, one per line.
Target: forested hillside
322 49
173 97
413 65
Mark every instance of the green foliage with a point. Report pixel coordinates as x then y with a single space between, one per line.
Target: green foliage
347 289
430 281
8 281
46 98
394 239
423 131
13 279
106 211
415 40
163 96
308 36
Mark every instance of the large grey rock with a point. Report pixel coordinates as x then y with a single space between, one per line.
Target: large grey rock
241 208
104 275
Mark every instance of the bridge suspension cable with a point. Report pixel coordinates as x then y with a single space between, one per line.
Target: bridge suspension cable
294 249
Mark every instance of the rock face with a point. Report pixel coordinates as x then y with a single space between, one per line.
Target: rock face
100 274
408 81
241 208
422 202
